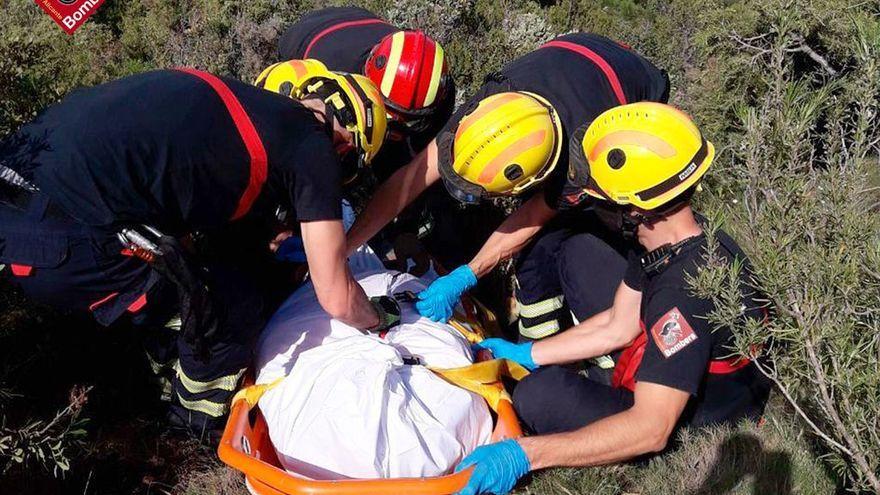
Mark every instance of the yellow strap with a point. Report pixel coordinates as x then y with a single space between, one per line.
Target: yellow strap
472 337
253 393
480 378
483 378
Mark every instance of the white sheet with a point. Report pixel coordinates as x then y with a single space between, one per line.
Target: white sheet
349 407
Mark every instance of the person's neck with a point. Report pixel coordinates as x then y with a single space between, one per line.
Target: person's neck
672 228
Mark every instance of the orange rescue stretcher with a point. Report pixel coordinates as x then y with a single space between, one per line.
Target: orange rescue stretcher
246 447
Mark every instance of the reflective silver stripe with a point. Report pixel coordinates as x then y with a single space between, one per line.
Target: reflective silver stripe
174 324
605 362
227 383
14 178
540 330
540 308
158 367
167 389
213 409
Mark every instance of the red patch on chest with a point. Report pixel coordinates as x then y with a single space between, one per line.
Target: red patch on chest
672 332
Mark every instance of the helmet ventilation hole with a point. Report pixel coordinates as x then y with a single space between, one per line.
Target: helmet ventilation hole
513 172
616 158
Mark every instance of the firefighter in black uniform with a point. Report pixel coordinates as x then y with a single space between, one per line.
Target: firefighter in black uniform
155 195
642 162
511 138
407 66
411 70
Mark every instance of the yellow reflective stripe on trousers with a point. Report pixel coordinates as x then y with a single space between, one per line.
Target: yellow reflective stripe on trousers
540 330
158 367
605 362
174 324
540 308
227 383
211 408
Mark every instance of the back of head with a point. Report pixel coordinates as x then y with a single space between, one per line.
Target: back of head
290 77
410 70
507 144
351 98
647 155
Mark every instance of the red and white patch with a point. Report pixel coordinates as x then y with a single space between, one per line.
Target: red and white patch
672 332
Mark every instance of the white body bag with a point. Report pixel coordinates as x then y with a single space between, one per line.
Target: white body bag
349 406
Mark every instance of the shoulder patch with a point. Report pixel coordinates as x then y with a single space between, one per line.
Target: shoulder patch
672 332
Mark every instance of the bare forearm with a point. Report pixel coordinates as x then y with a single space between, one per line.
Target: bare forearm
393 196
338 292
613 439
604 332
588 339
512 235
349 304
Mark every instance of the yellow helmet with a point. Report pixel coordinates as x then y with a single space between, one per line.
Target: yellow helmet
508 143
352 98
288 78
358 105
643 154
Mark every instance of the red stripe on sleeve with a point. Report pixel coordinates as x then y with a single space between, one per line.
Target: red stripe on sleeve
259 160
597 59
336 27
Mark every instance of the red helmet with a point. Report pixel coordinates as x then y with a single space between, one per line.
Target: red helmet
410 70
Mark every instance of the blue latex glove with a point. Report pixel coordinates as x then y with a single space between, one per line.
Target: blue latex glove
438 301
503 349
498 466
292 250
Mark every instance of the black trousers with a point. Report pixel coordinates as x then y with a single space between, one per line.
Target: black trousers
574 266
556 399
80 268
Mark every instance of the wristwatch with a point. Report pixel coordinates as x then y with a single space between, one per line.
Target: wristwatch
388 311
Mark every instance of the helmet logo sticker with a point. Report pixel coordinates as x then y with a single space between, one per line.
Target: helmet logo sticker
513 172
688 171
616 158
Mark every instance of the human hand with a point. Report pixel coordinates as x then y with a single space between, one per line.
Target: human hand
503 349
438 301
497 468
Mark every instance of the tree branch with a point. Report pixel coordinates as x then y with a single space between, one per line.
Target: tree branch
857 454
803 47
797 408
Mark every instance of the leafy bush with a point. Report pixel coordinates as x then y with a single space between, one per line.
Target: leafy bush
799 187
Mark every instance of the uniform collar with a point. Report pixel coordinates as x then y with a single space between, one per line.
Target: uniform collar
655 262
